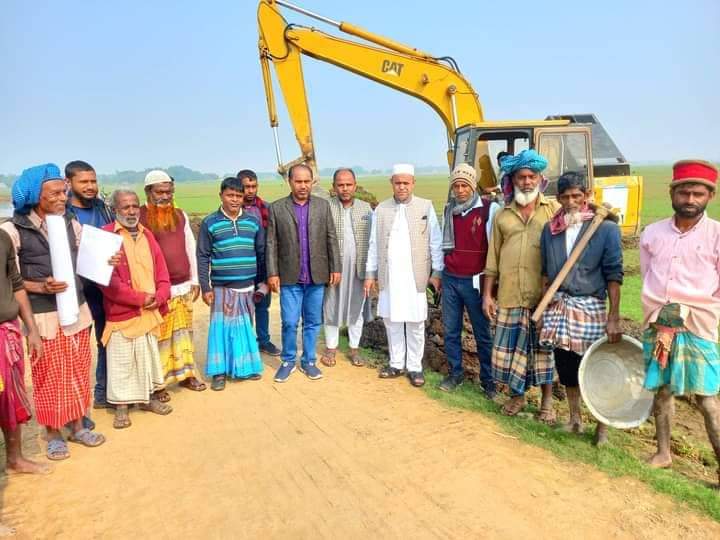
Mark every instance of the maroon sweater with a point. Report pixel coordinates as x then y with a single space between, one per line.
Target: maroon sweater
172 245
471 243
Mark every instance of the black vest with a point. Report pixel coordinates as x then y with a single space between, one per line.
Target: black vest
34 256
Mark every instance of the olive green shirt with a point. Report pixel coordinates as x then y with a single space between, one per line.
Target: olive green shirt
10 280
514 253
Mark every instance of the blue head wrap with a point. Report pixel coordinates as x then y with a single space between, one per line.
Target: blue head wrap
27 187
527 159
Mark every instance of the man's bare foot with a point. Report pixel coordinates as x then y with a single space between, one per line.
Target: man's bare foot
6 531
660 461
573 426
25 466
513 405
601 436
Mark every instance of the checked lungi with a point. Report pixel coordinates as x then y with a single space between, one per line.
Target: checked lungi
134 369
14 402
693 364
518 360
573 323
175 341
232 345
61 379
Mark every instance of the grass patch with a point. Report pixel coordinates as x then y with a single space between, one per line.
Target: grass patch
616 459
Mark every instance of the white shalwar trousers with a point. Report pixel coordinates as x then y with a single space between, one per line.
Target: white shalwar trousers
332 334
406 342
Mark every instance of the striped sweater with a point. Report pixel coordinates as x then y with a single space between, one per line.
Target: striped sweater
230 253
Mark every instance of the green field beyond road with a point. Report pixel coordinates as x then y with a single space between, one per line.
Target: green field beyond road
202 197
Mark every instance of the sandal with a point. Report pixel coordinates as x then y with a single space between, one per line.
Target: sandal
328 357
416 378
547 415
57 450
87 438
253 377
513 405
161 395
355 358
157 407
194 384
388 372
218 383
122 419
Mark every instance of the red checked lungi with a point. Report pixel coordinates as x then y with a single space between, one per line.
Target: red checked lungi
14 403
61 379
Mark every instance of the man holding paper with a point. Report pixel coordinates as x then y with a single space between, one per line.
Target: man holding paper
85 206
135 303
61 374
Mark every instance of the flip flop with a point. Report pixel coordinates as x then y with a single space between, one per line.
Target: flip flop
194 384
157 407
355 358
328 358
87 438
122 419
57 450
218 383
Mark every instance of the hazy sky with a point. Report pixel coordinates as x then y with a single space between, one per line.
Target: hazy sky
134 84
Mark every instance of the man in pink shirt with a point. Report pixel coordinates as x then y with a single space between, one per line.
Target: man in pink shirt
680 265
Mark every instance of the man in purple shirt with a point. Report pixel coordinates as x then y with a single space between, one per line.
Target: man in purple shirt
302 257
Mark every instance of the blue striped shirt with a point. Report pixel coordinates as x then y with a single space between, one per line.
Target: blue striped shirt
230 253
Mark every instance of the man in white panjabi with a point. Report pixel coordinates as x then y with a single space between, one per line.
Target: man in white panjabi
405 255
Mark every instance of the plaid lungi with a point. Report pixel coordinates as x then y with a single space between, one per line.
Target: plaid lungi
573 323
61 379
232 344
693 365
176 340
134 370
518 360
14 403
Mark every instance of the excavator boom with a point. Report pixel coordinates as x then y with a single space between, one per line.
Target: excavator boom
385 61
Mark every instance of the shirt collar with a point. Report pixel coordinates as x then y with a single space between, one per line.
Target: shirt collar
117 227
222 211
674 228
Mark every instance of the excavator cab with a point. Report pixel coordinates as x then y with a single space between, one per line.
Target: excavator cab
570 143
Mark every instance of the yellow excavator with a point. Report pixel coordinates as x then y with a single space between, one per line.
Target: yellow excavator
570 142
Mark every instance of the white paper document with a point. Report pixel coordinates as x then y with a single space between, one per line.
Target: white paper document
62 270
96 248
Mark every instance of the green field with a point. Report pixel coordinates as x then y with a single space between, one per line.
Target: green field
201 197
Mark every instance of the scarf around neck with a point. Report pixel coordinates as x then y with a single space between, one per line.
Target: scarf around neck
454 208
559 223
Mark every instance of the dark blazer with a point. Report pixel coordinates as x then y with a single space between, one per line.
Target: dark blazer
601 262
282 252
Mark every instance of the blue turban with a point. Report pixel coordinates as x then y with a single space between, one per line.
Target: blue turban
27 187
527 159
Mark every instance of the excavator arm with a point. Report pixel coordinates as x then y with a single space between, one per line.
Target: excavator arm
436 81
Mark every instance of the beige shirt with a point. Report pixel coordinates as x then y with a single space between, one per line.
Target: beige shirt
48 323
514 253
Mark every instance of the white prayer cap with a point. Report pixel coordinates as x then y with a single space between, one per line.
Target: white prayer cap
403 168
156 177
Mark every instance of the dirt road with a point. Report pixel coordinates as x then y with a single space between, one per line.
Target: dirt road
346 457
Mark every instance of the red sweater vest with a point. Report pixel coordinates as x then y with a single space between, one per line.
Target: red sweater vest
172 245
471 243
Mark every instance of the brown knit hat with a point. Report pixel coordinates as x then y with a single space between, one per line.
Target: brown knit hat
464 173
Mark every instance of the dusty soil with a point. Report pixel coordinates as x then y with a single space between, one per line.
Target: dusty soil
349 456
